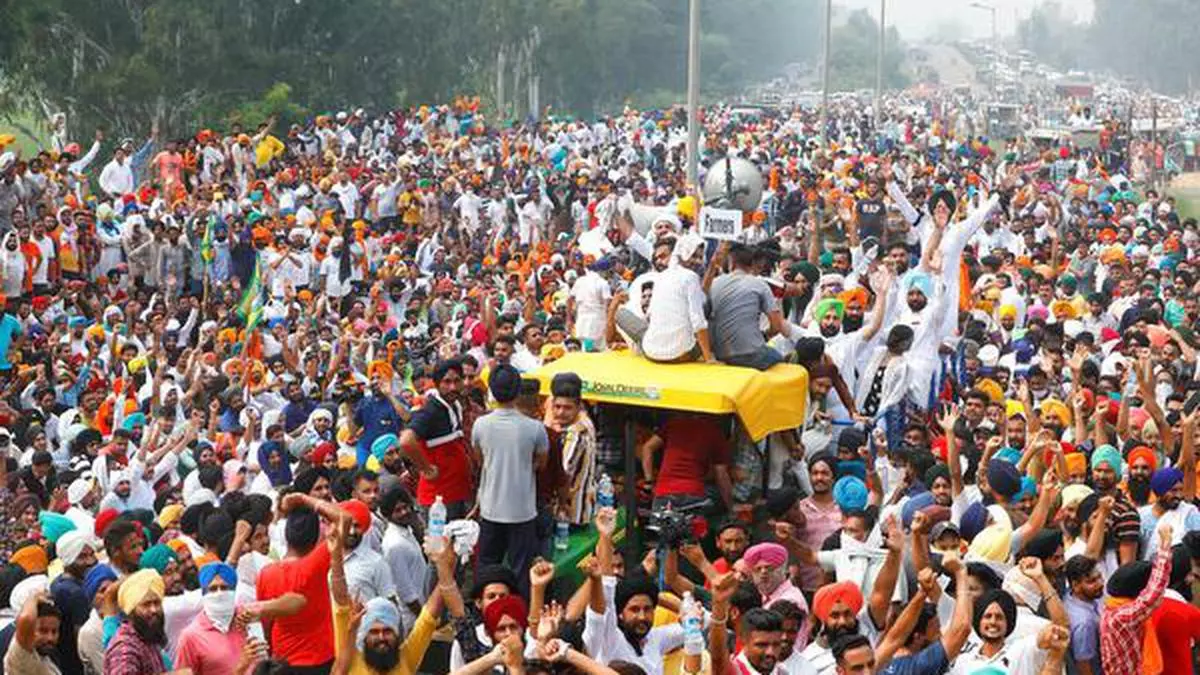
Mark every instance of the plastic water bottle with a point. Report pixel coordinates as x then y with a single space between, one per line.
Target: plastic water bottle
693 638
562 535
604 492
437 524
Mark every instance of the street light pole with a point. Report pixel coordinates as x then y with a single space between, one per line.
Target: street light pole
693 95
995 42
879 65
826 39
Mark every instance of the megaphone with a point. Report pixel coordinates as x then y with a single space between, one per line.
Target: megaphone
733 183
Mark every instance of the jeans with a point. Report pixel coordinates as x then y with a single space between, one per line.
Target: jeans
762 359
518 542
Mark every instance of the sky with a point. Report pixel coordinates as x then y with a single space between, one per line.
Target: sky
918 19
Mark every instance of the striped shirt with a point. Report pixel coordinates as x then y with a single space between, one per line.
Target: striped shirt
579 463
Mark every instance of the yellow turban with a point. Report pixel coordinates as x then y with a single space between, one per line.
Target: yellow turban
169 515
1063 309
992 389
137 364
687 207
1057 408
137 587
1008 310
96 331
992 544
1013 409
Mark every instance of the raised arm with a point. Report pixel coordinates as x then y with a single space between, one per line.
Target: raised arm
955 635
885 582
898 634
1187 455
947 419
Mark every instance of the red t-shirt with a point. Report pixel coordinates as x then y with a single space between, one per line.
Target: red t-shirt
305 639
692 446
1178 627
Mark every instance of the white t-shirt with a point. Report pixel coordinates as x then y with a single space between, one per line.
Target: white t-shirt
41 275
591 293
1018 658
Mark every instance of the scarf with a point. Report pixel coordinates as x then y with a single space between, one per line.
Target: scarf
1152 657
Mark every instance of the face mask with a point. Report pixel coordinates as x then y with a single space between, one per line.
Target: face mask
1161 391
219 606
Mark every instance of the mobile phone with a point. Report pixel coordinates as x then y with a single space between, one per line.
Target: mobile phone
1192 402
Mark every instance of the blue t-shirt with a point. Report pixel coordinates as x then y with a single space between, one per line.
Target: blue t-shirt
376 416
9 329
929 661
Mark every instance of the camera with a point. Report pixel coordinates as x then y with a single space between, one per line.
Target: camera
674 528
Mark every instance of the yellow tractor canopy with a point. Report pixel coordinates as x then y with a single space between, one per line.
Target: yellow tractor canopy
764 401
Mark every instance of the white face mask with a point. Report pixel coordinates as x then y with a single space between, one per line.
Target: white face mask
219 606
1161 391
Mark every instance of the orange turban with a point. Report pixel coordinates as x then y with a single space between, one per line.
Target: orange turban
33 559
179 546
1076 463
1143 453
853 296
828 596
383 368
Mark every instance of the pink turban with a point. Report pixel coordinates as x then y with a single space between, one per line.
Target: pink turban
843 592
772 554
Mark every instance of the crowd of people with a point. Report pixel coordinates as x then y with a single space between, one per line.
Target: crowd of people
270 401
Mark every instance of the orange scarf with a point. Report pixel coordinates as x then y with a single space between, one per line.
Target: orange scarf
1152 657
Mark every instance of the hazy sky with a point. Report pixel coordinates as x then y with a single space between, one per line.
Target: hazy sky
920 18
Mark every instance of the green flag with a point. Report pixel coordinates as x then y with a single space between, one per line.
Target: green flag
206 244
251 305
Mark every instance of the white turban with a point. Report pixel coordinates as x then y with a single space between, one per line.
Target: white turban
77 490
71 545
686 247
29 587
200 496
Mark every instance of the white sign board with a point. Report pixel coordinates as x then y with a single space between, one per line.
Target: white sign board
724 224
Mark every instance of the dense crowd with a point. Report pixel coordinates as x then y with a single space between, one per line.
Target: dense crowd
271 401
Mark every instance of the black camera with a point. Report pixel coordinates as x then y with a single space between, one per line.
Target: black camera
674 528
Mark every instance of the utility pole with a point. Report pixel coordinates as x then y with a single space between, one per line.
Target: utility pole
693 96
826 38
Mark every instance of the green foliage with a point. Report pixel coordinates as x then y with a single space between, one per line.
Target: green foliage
855 50
277 103
123 64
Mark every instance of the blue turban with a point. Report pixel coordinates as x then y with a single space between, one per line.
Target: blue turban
157 558
217 569
1028 488
850 493
1162 481
1010 455
914 504
133 420
77 322
54 525
1107 454
95 577
381 445
974 519
921 282
852 467
378 610
1004 478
